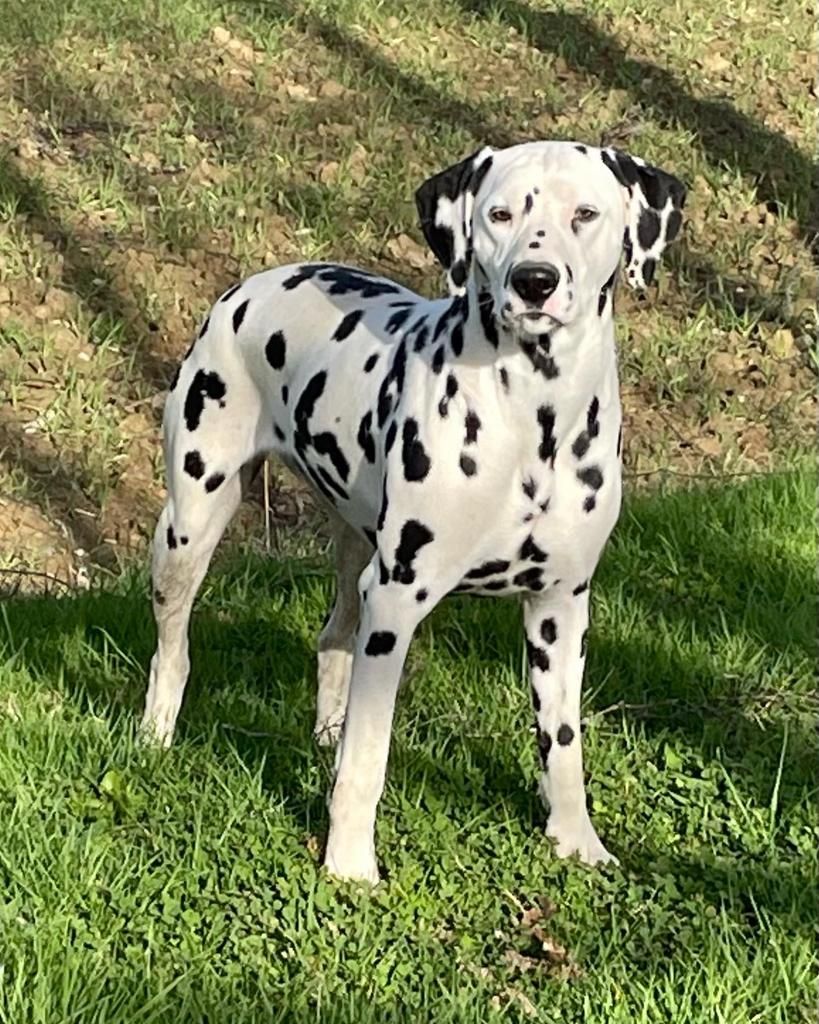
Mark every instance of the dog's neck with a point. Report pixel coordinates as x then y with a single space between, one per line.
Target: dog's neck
572 359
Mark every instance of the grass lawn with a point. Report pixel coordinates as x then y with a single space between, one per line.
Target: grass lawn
186 886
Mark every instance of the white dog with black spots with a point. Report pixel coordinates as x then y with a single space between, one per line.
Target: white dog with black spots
462 444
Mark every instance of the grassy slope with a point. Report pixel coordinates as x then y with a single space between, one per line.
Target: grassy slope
151 152
186 887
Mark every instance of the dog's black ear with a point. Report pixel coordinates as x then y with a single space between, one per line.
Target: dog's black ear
444 205
653 213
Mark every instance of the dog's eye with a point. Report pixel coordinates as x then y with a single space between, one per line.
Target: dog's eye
499 215
584 214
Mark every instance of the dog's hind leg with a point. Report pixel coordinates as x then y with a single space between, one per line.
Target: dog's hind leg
206 467
337 640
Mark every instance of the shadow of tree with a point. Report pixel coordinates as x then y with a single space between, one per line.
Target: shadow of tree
777 168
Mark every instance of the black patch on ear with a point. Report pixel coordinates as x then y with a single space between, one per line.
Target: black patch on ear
648 228
451 183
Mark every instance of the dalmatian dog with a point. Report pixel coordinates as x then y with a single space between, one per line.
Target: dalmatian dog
461 444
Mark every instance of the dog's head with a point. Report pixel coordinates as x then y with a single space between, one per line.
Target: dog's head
542 227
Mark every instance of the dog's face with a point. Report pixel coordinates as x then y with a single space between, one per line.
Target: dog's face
542 226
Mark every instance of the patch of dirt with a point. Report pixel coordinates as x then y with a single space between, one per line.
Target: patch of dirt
96 311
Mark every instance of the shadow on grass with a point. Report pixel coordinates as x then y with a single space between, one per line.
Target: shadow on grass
690 564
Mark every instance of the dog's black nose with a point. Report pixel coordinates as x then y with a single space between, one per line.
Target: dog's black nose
535 282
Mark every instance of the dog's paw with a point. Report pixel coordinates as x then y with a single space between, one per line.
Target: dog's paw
156 729
358 865
577 837
328 731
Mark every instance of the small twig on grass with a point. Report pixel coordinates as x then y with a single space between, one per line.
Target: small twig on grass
667 471
39 575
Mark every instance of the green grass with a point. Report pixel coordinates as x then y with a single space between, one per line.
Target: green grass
186 887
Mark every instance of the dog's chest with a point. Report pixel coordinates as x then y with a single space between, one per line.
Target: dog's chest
555 499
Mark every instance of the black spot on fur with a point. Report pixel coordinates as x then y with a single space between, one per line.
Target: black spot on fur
370 535
472 424
672 225
591 477
285 394
202 332
548 630
534 245
382 512
213 481
486 310
504 377
540 358
174 379
541 233
530 578
333 485
438 359
204 385
326 443
193 465
581 588
451 391
589 503
457 339
230 293
468 465
580 149
159 597
414 535
537 657
581 443
392 431
380 642
495 585
239 315
305 407
528 203
397 320
277 430
649 266
421 596
530 552
371 361
619 442
565 735
604 292
529 487
274 350
347 325
584 643
457 273
342 280
183 540
383 572
544 745
492 568
548 443
535 700
170 537
416 461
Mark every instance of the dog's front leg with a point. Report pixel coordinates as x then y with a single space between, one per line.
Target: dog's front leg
556 625
389 615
